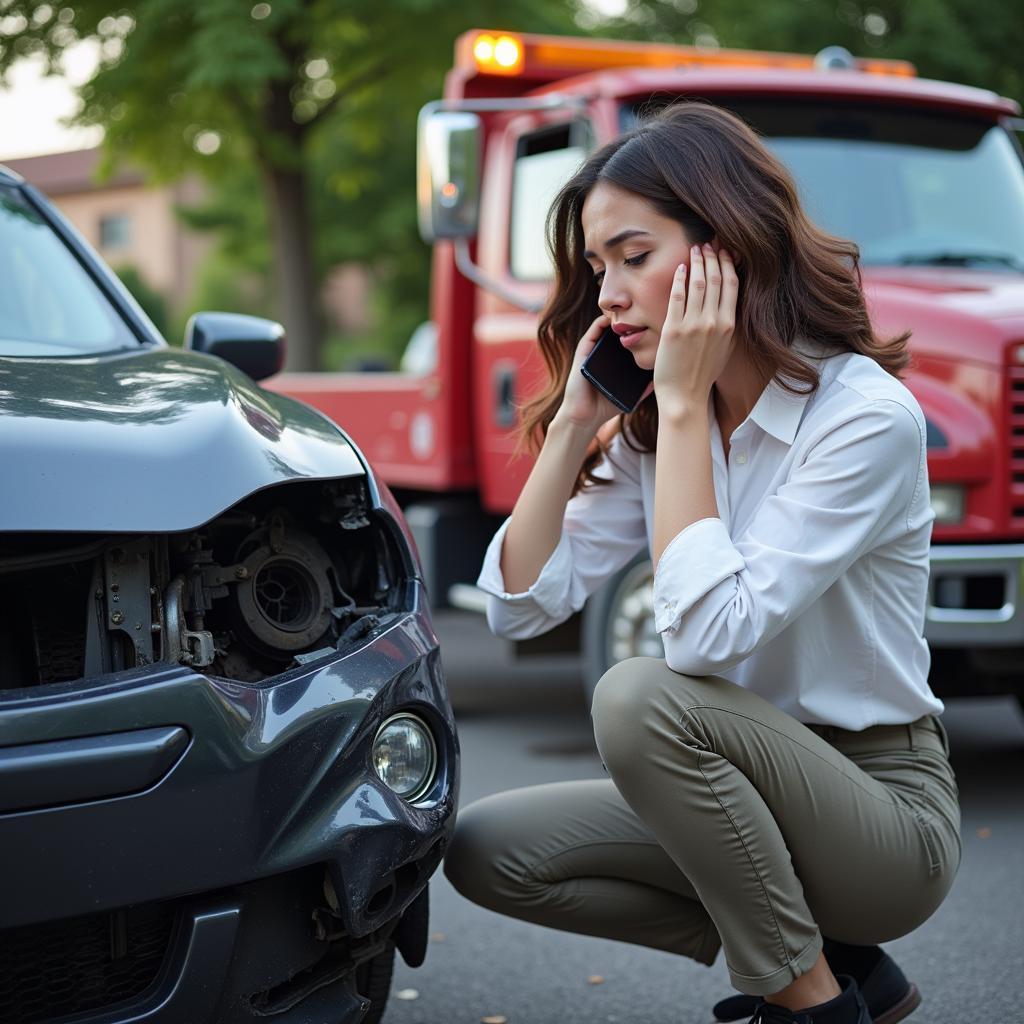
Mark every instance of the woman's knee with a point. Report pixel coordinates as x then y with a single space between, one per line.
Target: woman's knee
632 698
621 688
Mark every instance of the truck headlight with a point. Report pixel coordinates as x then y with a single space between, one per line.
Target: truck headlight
948 503
404 756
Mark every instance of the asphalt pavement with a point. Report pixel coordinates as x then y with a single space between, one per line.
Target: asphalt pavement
525 723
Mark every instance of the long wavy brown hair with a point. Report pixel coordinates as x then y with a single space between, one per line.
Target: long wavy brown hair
708 170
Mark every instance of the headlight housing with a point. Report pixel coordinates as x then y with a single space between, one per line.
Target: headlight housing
405 756
948 503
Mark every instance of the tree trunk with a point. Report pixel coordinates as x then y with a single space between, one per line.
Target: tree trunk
298 298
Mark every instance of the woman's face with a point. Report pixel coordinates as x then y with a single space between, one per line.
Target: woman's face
634 252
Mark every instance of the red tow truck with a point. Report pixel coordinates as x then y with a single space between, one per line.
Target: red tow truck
927 177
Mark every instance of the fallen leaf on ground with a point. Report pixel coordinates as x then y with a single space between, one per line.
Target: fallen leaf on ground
984 833
596 979
407 993
495 1018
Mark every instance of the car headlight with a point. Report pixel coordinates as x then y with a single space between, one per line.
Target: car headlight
948 503
404 756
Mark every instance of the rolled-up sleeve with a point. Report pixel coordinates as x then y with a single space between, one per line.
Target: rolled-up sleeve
717 600
602 529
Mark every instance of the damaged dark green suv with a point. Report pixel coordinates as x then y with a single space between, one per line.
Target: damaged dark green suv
228 764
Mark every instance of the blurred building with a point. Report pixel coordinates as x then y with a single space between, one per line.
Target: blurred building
133 224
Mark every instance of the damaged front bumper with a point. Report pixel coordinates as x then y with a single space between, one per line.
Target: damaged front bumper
247 817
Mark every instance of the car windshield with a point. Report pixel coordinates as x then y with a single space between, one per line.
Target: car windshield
911 187
49 305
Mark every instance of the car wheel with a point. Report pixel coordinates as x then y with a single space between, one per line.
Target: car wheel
373 982
618 622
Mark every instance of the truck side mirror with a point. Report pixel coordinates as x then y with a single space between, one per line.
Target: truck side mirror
254 345
447 173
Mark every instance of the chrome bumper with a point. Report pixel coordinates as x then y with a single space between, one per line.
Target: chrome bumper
959 613
975 596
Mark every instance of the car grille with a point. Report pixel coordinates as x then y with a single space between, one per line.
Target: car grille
58 614
52 970
43 623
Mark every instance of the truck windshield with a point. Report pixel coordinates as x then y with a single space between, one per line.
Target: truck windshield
49 305
911 187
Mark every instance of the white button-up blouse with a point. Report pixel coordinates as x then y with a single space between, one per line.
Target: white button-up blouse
810 588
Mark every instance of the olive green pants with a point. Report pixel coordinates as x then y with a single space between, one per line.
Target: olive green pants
726 824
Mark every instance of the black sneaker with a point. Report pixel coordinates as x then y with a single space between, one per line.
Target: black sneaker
886 991
846 1008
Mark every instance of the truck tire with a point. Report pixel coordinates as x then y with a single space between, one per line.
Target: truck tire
373 982
618 622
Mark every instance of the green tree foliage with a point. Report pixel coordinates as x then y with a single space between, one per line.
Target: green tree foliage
302 112
975 42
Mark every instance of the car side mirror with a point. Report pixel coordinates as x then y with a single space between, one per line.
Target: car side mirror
256 346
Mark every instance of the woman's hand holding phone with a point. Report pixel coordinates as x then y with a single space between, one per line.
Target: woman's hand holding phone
584 407
536 523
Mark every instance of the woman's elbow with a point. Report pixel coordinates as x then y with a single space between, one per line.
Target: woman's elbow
690 659
687 664
515 624
499 624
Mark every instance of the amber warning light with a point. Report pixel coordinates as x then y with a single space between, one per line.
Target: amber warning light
498 54
503 53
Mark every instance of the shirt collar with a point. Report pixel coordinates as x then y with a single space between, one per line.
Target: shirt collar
778 412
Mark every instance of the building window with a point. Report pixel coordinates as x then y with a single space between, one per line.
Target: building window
115 231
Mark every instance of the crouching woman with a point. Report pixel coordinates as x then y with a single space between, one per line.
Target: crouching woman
779 783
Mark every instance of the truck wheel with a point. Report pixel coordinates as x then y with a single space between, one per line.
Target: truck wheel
373 982
618 622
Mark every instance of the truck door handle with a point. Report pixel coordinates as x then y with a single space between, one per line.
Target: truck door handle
505 412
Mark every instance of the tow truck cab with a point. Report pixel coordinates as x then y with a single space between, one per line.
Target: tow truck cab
927 177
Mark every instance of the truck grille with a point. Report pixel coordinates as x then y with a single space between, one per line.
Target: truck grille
52 970
1015 409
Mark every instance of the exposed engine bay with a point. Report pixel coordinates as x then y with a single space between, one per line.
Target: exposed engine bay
283 578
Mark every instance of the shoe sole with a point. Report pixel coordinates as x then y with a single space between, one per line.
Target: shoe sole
904 1008
895 1013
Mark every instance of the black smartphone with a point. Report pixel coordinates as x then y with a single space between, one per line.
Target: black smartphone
613 371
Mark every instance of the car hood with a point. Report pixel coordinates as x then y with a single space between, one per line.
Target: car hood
149 441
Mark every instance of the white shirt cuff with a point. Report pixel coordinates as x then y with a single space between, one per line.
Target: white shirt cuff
696 560
550 591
